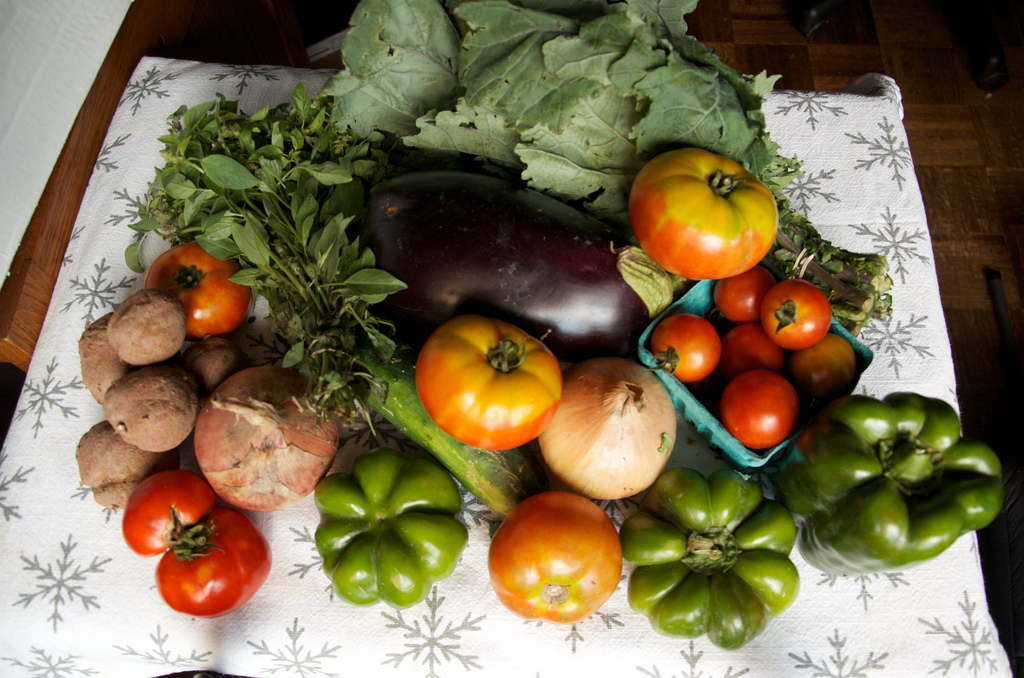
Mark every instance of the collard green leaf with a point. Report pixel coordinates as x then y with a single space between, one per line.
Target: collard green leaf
503 66
227 172
474 130
401 57
667 16
593 160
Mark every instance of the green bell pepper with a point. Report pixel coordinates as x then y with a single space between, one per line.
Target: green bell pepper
388 530
876 485
712 556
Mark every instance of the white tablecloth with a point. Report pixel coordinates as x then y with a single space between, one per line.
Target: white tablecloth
74 601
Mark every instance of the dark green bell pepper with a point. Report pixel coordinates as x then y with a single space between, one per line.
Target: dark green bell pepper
712 556
388 530
877 485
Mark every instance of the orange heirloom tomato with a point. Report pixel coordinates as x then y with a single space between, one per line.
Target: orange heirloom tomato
701 215
213 303
487 383
556 557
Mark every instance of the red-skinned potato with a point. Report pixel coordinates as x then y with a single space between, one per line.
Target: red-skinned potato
257 442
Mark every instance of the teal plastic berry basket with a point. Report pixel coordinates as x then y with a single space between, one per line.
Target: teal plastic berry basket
699 300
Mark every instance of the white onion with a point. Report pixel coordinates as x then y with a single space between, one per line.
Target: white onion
614 430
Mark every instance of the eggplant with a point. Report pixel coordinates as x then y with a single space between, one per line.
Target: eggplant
469 243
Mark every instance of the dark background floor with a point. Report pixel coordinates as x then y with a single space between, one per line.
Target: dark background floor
968 149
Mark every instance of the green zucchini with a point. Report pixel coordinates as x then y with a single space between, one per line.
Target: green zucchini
498 478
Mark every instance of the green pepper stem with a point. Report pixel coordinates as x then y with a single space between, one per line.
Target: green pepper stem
914 467
711 550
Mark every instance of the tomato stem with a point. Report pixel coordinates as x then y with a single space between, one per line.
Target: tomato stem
721 183
187 277
506 356
189 542
555 594
786 315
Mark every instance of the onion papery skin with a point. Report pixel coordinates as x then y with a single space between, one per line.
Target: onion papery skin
614 431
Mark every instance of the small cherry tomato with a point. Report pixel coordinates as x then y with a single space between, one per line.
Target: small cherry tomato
487 383
214 305
214 557
556 557
760 408
796 314
826 369
739 297
747 347
687 345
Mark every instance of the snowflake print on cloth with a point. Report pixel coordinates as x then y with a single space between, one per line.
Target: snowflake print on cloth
886 150
130 211
294 658
97 293
811 104
894 340
361 434
864 583
898 244
244 73
971 646
46 666
692 659
7 481
839 664
104 161
149 85
802 190
429 644
163 655
48 394
61 582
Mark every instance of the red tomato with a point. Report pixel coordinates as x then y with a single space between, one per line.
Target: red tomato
825 370
556 557
159 503
796 314
214 557
701 215
213 303
747 347
760 408
687 345
739 297
487 383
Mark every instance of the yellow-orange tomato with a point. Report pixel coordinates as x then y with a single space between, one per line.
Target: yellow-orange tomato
556 557
825 369
487 383
701 215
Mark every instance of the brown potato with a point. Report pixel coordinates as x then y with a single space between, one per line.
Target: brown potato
113 468
148 327
101 366
154 407
214 359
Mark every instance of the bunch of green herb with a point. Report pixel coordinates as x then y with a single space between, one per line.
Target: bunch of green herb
572 98
277 191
